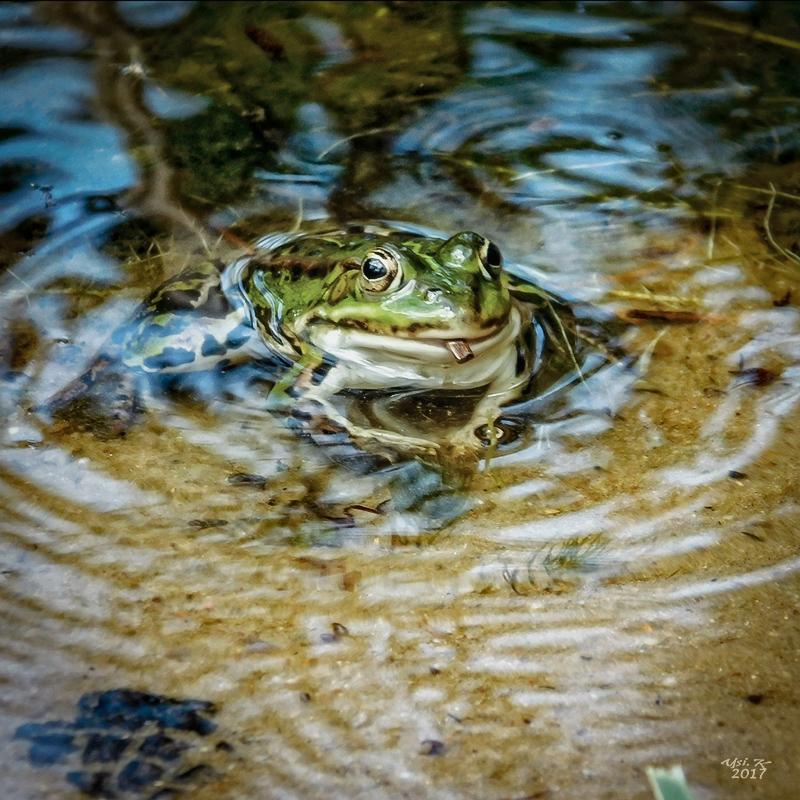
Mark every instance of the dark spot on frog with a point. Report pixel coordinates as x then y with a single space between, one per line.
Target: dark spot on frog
169 357
317 271
211 347
238 337
216 304
298 266
755 699
179 299
364 325
164 329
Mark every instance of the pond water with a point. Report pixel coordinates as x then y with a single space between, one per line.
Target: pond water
617 590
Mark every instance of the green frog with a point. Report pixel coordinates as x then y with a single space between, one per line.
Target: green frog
358 309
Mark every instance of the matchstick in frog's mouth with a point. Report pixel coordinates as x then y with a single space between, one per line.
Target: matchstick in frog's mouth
460 349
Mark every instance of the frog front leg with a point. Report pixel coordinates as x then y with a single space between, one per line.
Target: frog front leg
307 390
186 325
294 386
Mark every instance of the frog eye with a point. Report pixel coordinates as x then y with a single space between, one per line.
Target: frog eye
380 270
491 259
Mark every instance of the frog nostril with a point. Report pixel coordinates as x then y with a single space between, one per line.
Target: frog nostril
433 295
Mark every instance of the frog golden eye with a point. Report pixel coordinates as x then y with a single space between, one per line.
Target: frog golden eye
380 271
491 259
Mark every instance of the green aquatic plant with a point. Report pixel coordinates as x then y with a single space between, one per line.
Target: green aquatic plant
669 784
579 555
559 563
258 63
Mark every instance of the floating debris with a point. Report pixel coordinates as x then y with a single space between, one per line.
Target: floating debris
432 747
247 479
662 315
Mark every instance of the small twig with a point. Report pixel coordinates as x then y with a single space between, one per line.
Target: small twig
659 299
713 232
637 315
233 239
578 167
733 245
744 30
665 299
299 220
766 191
565 338
31 289
782 250
346 139
17 277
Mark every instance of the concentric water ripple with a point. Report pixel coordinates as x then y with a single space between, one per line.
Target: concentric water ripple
620 592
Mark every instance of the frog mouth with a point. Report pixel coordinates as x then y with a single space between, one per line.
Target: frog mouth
465 348
443 347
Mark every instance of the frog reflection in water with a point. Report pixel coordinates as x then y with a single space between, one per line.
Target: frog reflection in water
362 308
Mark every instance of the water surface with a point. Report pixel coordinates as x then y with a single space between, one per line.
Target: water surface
621 591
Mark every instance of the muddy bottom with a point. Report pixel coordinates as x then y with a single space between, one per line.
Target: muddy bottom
621 593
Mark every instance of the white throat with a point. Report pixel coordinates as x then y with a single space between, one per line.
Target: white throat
381 361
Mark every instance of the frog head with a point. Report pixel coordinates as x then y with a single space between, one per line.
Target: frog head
447 294
423 288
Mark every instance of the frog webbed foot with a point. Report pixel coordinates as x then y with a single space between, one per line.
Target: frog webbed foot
319 420
105 400
312 417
